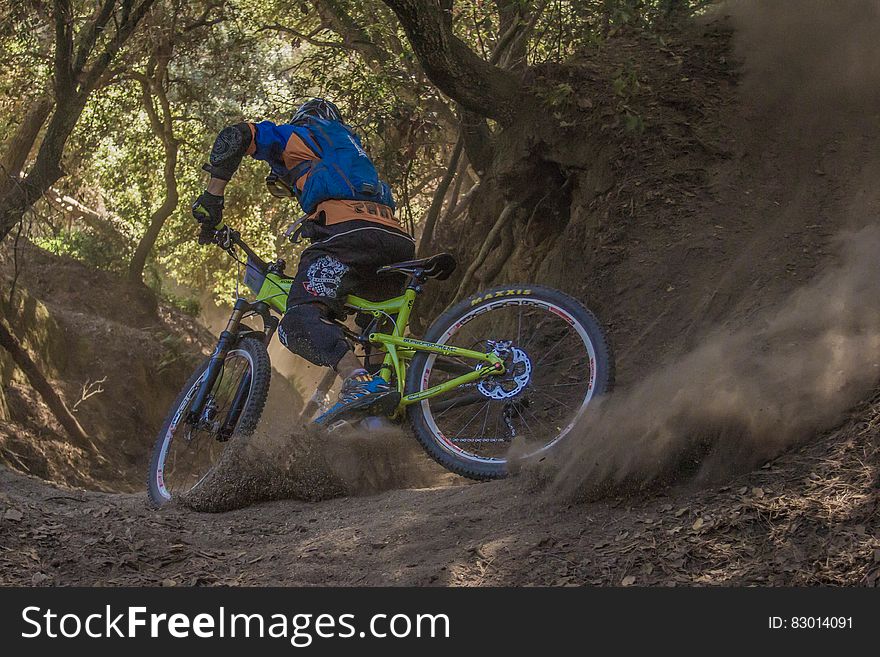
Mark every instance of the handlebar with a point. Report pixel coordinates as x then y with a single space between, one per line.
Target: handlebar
226 238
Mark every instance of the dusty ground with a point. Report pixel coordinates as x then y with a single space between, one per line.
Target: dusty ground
810 517
728 227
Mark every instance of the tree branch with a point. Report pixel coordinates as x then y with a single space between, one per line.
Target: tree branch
39 383
63 47
305 37
457 71
89 34
439 195
127 25
504 218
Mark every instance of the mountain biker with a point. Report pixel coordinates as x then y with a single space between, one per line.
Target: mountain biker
349 220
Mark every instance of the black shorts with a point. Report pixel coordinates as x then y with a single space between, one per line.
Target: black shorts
343 259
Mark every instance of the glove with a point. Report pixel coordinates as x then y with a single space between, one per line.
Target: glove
208 210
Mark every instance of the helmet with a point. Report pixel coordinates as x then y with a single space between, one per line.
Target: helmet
317 108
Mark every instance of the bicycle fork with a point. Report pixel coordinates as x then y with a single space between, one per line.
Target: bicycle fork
215 366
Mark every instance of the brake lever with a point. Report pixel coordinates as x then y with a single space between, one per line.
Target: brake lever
224 238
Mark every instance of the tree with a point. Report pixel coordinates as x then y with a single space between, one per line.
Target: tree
82 56
19 145
154 82
479 86
157 107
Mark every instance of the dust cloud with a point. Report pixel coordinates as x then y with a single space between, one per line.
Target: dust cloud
282 460
811 69
741 397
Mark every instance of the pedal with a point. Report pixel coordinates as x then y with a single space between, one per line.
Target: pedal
386 404
339 426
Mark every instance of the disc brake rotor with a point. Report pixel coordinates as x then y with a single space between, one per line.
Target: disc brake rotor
518 373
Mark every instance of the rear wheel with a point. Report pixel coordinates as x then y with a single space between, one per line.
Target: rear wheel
557 359
185 453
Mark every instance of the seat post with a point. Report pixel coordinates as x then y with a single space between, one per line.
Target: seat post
415 280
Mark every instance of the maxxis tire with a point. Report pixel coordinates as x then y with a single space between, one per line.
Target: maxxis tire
247 422
604 363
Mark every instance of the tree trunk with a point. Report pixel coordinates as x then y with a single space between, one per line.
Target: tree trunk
380 60
439 197
46 170
477 139
457 71
160 216
39 383
74 81
19 145
155 101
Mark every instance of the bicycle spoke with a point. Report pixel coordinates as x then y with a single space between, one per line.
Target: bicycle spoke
468 422
553 399
536 418
485 419
553 348
188 461
562 360
519 325
516 408
541 405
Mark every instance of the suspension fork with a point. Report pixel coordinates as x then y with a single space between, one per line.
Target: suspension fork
270 325
224 343
238 402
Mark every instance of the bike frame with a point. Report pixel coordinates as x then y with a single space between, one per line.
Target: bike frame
398 349
272 289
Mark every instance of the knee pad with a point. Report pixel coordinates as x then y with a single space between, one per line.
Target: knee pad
304 332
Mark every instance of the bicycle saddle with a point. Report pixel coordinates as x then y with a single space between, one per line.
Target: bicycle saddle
438 266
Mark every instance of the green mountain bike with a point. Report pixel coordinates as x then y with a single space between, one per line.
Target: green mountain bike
516 363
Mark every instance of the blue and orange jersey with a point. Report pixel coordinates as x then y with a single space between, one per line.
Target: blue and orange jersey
289 150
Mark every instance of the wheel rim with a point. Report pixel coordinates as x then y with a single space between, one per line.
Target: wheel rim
562 360
188 455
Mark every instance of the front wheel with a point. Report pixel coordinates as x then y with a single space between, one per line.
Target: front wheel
557 359
185 452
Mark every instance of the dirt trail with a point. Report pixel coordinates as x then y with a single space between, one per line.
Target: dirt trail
808 518
763 228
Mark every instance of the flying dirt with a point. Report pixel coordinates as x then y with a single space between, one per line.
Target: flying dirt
740 446
792 369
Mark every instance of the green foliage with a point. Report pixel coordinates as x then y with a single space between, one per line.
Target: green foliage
188 305
234 60
83 245
626 86
557 95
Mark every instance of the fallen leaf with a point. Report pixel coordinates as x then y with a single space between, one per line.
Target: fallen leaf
698 523
629 580
758 492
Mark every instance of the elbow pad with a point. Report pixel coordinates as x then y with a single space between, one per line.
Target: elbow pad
230 146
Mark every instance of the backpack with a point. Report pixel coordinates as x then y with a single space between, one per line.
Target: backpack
343 171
